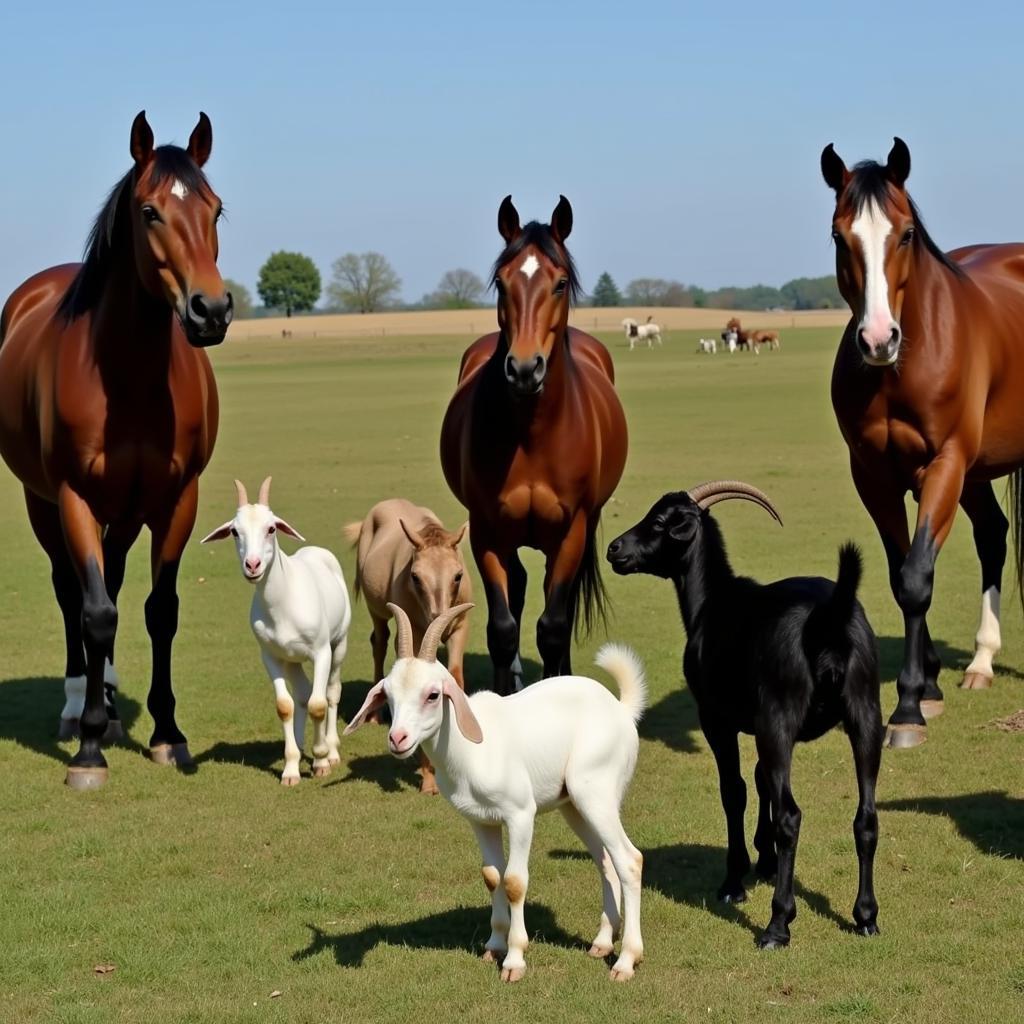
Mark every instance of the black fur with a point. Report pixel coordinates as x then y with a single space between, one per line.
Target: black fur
786 662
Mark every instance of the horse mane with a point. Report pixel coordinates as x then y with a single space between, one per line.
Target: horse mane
83 294
539 235
869 181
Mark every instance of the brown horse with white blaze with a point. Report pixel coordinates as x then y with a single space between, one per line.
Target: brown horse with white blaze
927 389
533 444
108 414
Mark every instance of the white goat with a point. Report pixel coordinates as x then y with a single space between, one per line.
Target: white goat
649 332
730 339
300 612
708 345
564 742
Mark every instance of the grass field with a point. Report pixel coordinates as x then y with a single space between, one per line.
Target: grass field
359 900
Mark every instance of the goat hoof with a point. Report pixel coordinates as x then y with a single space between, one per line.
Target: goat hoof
321 771
976 681
621 973
867 930
599 951
290 780
493 956
428 785
733 896
511 974
767 941
175 754
114 732
932 708
903 737
86 778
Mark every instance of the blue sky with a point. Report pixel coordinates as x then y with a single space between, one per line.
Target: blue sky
686 135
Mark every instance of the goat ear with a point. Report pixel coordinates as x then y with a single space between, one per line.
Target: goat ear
220 533
286 528
414 538
457 537
375 698
464 717
685 530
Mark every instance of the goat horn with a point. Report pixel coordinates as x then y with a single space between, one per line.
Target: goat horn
706 495
243 498
264 498
404 641
432 637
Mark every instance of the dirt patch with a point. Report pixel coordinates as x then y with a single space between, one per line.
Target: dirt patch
1011 723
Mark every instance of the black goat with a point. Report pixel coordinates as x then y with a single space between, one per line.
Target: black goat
785 662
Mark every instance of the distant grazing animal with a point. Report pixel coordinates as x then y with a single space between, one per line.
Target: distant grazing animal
300 613
108 414
730 339
766 339
563 743
786 662
742 336
708 345
533 444
927 389
406 557
649 332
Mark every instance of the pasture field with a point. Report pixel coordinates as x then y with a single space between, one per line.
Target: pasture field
358 900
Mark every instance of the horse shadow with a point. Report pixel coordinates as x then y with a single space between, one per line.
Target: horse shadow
262 755
992 821
462 928
690 873
31 711
673 721
890 658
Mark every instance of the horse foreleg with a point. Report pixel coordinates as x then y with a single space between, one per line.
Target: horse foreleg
502 628
561 591
990 527
88 768
167 744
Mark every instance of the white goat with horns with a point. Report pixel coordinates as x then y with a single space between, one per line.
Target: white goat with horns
300 612
564 742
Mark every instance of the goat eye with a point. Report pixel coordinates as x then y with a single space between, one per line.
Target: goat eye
659 524
458 577
415 579
234 532
271 529
150 215
433 696
908 237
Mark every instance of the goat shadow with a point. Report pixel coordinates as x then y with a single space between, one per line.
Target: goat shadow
956 659
31 713
690 874
673 721
462 928
992 821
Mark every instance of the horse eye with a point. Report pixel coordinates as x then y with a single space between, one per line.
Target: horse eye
908 237
150 215
220 213
561 286
458 577
416 579
838 239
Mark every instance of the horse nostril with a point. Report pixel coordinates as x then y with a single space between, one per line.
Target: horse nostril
510 368
894 336
862 344
538 367
615 547
197 304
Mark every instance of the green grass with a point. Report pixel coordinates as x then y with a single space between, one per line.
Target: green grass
360 900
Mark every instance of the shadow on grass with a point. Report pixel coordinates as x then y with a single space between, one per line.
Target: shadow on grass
673 721
992 821
890 656
259 754
691 873
463 928
31 714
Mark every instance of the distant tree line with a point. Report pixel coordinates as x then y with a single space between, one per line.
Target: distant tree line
289 283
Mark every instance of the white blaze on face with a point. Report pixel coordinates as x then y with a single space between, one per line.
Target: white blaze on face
530 266
178 189
872 228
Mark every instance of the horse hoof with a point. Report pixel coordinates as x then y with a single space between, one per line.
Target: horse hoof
976 681
867 929
86 778
599 952
68 729
489 956
290 780
115 731
932 708
903 737
621 974
511 974
767 941
175 754
321 771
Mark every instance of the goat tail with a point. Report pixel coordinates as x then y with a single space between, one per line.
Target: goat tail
851 568
588 600
827 632
623 665
352 531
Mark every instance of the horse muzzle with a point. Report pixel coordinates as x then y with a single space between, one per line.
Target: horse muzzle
525 377
206 319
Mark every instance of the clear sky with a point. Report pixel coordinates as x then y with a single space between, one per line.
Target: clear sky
686 135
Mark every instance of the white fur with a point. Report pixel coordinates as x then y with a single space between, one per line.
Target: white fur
707 345
649 332
74 693
731 340
988 640
872 228
300 613
530 266
178 189
564 743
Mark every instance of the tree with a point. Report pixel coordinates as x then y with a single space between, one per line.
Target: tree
653 291
459 289
364 282
289 281
605 292
240 297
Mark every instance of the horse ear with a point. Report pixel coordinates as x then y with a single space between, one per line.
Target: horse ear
833 170
456 538
142 140
561 219
897 164
200 142
508 221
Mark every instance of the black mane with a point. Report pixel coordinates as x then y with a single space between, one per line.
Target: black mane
540 235
84 291
870 181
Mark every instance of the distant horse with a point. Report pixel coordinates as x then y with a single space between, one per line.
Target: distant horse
533 444
742 336
927 389
766 339
649 332
108 414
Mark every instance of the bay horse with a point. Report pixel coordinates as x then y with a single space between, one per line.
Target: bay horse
927 387
108 414
533 444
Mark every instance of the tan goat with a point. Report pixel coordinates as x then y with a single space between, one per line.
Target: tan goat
406 557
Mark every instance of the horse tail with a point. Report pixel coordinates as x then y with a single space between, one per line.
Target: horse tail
1014 492
588 597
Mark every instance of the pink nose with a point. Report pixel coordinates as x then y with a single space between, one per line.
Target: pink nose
252 566
879 340
398 738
